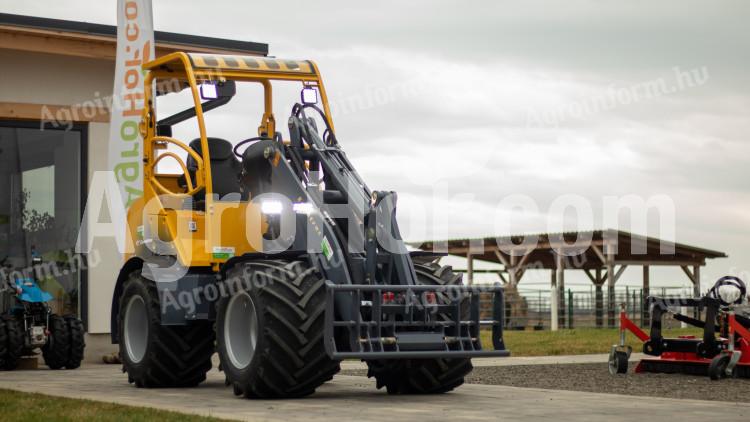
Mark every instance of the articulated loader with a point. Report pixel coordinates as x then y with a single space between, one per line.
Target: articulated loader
275 253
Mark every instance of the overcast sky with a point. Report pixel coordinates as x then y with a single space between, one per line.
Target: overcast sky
457 105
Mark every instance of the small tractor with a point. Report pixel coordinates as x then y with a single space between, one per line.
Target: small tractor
273 251
28 323
722 351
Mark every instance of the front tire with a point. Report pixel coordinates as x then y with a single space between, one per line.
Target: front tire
618 363
270 330
157 356
11 342
424 376
57 349
718 367
77 342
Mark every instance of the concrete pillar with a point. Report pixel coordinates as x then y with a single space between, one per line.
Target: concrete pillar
645 316
469 269
554 295
611 311
696 288
599 312
561 291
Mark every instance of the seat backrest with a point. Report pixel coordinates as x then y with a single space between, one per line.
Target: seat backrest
256 162
225 168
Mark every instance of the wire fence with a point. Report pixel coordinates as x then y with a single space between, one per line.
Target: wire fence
530 309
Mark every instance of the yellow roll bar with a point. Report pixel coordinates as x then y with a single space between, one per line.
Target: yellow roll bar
194 68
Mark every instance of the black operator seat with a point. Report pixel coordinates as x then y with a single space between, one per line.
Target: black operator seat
258 162
225 169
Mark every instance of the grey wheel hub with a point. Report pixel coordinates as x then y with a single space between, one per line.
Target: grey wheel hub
241 330
135 333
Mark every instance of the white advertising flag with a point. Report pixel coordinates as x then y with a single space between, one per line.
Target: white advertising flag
135 46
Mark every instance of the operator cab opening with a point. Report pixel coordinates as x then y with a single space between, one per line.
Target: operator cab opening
240 170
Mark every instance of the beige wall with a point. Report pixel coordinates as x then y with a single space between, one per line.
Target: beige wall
63 80
50 79
103 276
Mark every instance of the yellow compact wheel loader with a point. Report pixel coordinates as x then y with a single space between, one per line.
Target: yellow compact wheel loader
275 253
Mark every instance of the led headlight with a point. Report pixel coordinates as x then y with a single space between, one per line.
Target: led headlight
271 207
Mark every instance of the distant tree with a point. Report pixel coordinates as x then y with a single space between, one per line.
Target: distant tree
32 220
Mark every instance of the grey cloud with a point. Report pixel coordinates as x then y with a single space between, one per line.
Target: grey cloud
515 57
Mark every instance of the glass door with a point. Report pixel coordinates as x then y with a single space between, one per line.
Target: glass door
40 207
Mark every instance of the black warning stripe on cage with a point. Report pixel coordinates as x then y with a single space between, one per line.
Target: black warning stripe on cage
263 64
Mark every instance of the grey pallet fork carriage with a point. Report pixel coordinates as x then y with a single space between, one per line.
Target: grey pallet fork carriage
412 328
413 320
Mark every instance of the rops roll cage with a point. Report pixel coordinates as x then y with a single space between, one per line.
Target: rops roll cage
196 68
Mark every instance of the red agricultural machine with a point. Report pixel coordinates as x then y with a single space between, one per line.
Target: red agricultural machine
723 351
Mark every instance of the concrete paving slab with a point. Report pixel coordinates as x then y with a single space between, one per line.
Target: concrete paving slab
525 360
548 360
355 398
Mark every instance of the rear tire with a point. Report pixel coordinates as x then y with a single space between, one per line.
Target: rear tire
423 376
57 349
77 343
11 342
156 356
270 330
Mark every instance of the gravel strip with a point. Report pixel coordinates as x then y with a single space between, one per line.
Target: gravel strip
594 377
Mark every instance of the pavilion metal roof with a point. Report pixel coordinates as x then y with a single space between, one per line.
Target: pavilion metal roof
625 248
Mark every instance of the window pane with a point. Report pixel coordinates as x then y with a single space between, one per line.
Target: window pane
40 199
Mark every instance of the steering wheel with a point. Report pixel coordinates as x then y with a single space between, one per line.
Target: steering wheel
192 187
236 148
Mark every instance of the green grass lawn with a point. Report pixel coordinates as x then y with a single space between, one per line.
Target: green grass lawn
579 341
17 406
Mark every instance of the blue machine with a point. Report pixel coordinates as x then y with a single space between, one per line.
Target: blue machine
28 323
29 291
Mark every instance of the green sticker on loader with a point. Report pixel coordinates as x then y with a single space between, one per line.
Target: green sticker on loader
222 252
325 246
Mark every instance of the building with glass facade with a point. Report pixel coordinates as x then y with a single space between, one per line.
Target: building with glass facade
55 84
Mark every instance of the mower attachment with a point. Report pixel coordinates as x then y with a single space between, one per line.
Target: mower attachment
407 321
727 354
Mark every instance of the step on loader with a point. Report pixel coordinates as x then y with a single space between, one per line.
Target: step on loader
275 253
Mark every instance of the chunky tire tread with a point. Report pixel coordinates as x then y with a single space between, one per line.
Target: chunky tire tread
3 343
77 342
176 356
11 343
57 350
423 376
290 359
15 342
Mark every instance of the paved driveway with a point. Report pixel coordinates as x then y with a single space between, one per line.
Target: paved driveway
355 398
